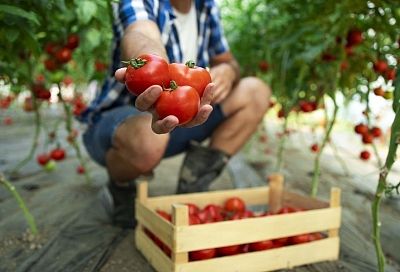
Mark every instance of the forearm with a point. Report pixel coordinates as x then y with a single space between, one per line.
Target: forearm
230 66
135 42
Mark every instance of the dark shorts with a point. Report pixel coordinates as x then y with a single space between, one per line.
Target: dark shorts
98 138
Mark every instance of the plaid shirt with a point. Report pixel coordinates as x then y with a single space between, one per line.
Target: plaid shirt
211 42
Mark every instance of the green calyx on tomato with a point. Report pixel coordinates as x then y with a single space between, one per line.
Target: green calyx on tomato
136 63
190 64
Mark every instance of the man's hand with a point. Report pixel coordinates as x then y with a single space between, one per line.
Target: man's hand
146 100
223 76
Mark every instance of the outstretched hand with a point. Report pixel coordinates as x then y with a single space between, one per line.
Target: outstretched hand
146 102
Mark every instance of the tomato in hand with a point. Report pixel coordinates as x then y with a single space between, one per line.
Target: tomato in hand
235 204
190 75
182 102
145 71
203 254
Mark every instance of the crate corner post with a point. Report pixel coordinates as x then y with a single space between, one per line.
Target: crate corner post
180 217
276 183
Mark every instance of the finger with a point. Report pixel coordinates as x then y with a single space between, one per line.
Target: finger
221 97
201 117
218 92
165 125
146 99
120 74
208 94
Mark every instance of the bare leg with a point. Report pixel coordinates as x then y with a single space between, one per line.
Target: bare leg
245 107
136 149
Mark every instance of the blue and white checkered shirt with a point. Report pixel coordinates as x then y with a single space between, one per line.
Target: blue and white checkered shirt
211 42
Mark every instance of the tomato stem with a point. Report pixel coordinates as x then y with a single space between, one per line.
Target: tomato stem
28 216
136 63
190 64
173 85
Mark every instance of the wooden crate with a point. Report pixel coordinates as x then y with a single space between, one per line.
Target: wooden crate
182 238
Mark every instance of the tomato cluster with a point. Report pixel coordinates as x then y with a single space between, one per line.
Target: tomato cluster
183 84
367 135
60 53
40 91
234 208
47 160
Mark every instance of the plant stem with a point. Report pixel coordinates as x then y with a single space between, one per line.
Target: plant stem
382 185
28 216
35 141
281 146
74 143
315 179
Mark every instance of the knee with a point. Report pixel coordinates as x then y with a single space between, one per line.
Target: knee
258 93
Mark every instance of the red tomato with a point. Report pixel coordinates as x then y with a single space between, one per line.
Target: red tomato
7 120
57 154
80 169
361 129
68 80
229 250
50 65
193 208
344 65
349 50
288 209
182 102
367 138
166 250
234 204
380 66
376 132
194 220
145 71
263 66
72 41
263 245
204 217
50 48
43 159
306 106
213 210
203 254
280 242
365 155
300 239
354 37
316 236
315 148
100 66
390 74
190 75
43 94
64 55
164 215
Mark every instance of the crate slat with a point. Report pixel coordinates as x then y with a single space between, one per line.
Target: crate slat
255 229
155 223
252 196
304 202
152 253
285 257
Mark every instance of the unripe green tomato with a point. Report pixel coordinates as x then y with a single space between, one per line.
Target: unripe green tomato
50 166
388 95
57 77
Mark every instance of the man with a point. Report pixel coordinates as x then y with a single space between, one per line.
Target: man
125 135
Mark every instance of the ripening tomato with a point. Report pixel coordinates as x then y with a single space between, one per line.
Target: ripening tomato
234 204
379 91
57 154
229 250
182 102
262 245
145 71
189 74
72 41
64 55
203 254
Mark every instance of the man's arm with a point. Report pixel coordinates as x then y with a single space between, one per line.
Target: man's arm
142 37
225 73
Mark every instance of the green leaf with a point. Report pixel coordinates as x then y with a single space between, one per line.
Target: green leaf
12 34
16 11
86 10
396 96
93 38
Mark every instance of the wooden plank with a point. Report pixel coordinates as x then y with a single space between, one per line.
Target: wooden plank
154 255
155 223
268 260
304 202
142 191
275 192
334 202
180 217
252 196
255 229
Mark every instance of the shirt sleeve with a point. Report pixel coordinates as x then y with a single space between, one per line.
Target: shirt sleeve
218 43
130 11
